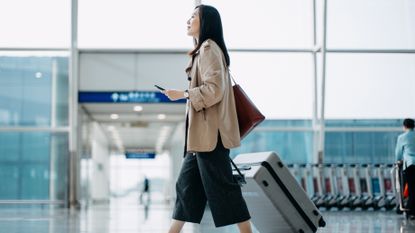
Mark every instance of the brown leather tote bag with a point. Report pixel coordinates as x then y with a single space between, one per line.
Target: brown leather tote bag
248 114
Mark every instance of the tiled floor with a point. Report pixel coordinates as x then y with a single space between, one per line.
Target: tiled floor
156 219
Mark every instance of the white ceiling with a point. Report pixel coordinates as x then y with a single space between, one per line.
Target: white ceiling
137 130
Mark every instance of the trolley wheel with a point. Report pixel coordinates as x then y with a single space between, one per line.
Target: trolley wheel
321 222
398 211
389 207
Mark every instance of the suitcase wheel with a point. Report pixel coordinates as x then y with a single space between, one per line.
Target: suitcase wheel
321 222
301 231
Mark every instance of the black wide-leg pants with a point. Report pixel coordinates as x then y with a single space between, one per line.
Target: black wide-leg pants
206 177
410 179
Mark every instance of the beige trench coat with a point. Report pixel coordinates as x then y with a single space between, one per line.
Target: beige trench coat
211 105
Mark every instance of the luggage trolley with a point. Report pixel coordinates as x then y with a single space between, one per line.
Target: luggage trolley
329 187
317 173
305 178
365 186
343 192
350 186
295 171
377 187
387 188
355 187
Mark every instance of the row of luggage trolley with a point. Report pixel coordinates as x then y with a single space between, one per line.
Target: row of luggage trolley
280 196
349 186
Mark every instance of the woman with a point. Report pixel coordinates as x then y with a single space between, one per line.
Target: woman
211 130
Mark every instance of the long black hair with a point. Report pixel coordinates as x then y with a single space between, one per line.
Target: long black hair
210 28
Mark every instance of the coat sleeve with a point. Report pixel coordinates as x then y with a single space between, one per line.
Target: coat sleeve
212 72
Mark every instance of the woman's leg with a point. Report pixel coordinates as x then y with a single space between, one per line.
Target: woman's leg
223 193
190 195
176 226
245 227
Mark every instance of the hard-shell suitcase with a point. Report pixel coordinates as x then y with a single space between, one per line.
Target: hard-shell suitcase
276 201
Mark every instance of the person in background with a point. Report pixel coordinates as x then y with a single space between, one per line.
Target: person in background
146 190
211 130
405 152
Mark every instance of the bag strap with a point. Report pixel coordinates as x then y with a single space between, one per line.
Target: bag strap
230 75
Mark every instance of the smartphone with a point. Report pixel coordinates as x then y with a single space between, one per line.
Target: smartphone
160 88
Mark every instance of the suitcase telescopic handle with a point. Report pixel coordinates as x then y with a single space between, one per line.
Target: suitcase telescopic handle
237 169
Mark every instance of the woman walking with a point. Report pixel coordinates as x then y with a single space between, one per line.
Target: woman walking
211 130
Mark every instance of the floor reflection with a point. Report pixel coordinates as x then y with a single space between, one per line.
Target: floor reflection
155 218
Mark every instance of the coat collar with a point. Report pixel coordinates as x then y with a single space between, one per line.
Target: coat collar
189 66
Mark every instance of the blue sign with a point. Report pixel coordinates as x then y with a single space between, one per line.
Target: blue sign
124 97
139 155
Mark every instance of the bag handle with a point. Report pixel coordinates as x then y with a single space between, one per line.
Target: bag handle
230 75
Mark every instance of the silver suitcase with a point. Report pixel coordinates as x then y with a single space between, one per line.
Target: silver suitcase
275 200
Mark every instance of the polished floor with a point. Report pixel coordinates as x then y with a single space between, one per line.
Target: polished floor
155 218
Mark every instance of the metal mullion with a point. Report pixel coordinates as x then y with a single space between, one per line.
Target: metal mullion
315 89
35 129
48 202
184 51
180 51
363 129
275 50
323 85
133 51
73 108
283 129
34 49
385 51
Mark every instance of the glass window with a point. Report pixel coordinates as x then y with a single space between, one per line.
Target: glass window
382 24
266 23
33 90
280 84
370 86
134 24
364 123
360 147
41 23
33 165
292 147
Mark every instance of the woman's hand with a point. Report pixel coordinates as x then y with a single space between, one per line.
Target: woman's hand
174 94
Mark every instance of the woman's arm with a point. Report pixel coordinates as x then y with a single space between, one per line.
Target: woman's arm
212 72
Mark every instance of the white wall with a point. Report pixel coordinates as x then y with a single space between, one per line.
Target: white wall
132 71
100 164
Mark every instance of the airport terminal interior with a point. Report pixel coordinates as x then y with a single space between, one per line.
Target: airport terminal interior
88 144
